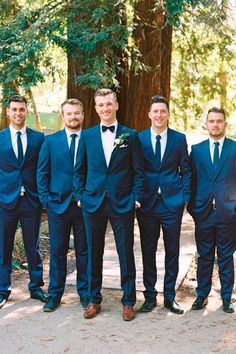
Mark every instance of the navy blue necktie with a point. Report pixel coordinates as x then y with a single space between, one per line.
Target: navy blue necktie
158 151
111 128
72 146
19 148
216 156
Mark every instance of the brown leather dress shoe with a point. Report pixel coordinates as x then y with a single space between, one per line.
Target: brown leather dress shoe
92 310
128 313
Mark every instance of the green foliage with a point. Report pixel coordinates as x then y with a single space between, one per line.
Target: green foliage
203 66
175 8
98 36
83 29
18 254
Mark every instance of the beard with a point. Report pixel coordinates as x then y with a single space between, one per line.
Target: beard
74 124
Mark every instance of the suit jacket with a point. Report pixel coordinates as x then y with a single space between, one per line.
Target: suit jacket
13 175
173 176
208 184
122 180
55 172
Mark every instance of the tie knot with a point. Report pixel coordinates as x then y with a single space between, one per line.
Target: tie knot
73 136
18 133
216 143
158 138
111 128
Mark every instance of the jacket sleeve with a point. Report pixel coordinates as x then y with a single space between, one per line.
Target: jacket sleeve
44 173
138 168
185 170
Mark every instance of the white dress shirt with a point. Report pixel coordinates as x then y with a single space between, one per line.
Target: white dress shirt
163 141
23 136
69 139
212 146
108 139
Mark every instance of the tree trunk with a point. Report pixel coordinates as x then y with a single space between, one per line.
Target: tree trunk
83 94
154 41
4 120
38 124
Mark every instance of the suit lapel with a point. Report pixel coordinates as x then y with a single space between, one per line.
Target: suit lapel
120 129
29 144
97 137
63 143
9 146
169 145
147 146
223 155
207 156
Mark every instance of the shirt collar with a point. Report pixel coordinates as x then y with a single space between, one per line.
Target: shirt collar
69 133
220 141
162 134
14 130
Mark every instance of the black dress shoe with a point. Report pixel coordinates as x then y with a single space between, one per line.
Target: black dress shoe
199 303
148 305
51 304
85 301
39 294
173 307
228 306
3 300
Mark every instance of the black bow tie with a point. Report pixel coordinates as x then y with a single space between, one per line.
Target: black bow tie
111 128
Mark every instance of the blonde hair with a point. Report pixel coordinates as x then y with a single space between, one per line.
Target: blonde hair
72 101
105 92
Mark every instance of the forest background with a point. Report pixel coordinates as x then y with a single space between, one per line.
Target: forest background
182 49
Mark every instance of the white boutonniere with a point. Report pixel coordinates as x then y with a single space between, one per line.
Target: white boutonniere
121 141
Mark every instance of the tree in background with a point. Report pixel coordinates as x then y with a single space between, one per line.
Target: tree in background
123 44
203 66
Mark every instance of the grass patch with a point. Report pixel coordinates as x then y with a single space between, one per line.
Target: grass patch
50 121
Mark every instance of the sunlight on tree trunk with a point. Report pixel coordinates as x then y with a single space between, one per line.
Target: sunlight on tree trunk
4 120
38 124
222 72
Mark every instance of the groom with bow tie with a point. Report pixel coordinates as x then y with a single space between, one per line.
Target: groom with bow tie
108 185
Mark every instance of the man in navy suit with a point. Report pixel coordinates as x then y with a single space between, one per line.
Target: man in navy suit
109 185
167 191
213 207
55 184
19 149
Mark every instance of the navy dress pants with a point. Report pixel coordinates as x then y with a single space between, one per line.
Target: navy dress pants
60 226
29 219
123 228
150 224
213 235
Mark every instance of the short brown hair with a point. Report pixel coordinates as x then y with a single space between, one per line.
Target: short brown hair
159 99
72 101
216 110
17 98
105 92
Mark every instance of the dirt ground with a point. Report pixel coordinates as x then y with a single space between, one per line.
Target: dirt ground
26 329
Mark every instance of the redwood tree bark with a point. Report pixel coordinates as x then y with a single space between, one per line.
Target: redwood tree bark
154 42
153 39
83 94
